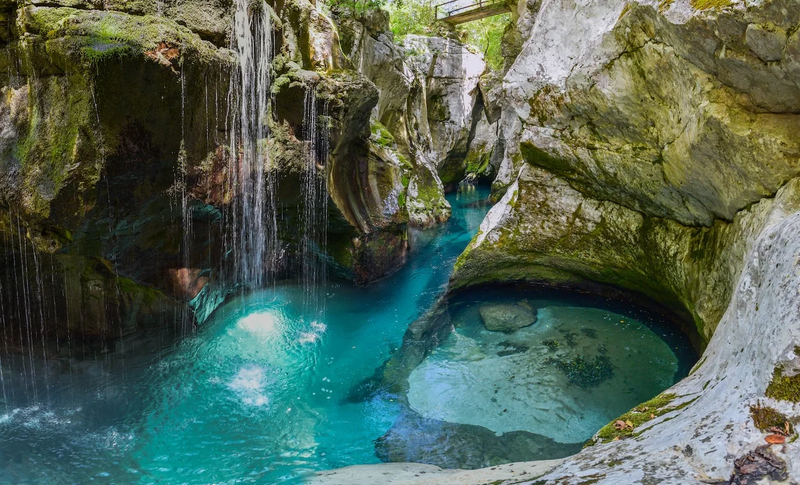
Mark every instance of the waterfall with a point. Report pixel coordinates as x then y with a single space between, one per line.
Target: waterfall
314 217
253 220
25 298
186 209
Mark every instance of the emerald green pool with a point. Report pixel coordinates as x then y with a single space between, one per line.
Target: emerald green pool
261 393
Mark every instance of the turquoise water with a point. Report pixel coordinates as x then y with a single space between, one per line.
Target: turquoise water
564 377
258 394
262 392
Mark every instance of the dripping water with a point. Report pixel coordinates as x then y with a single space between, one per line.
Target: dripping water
186 211
253 220
314 217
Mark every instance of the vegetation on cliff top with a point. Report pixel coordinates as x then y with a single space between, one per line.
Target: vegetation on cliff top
483 36
418 17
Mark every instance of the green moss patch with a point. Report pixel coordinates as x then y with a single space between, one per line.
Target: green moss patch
538 157
626 425
380 135
765 418
784 388
99 35
710 4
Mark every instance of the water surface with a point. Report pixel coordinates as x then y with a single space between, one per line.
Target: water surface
257 394
580 365
262 392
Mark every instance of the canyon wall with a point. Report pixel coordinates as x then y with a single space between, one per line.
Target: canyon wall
119 181
655 147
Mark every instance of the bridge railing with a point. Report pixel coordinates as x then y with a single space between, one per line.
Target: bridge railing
451 8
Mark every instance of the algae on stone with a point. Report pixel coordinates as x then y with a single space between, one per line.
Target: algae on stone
784 386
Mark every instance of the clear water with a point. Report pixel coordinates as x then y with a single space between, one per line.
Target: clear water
257 395
563 377
260 393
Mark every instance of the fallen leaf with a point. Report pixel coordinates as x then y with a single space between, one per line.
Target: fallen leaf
629 424
616 438
652 416
619 424
775 439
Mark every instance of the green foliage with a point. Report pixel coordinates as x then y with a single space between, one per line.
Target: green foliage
419 17
412 17
486 36
355 6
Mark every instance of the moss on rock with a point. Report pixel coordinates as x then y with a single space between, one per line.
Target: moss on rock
98 35
710 4
765 418
626 425
784 386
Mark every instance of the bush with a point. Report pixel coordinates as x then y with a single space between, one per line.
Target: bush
355 6
486 36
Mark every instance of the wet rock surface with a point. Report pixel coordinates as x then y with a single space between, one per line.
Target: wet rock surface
144 195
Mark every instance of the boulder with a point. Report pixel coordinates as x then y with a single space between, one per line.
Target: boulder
506 318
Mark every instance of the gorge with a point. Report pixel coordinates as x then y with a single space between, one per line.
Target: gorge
275 242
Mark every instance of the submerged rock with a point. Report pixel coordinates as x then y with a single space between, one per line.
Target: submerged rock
414 438
506 318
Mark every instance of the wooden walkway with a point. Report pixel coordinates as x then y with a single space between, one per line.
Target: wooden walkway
456 12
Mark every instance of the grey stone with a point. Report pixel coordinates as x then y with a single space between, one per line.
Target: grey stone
506 318
767 44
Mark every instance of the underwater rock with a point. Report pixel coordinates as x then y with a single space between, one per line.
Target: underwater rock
506 318
584 372
414 438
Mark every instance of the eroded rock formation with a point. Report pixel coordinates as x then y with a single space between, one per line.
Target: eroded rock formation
116 179
653 146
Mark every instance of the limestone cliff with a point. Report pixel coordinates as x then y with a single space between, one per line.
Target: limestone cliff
653 146
431 103
115 175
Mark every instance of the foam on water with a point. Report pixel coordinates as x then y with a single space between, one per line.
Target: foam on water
262 325
249 384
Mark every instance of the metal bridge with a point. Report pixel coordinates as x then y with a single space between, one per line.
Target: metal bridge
456 12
